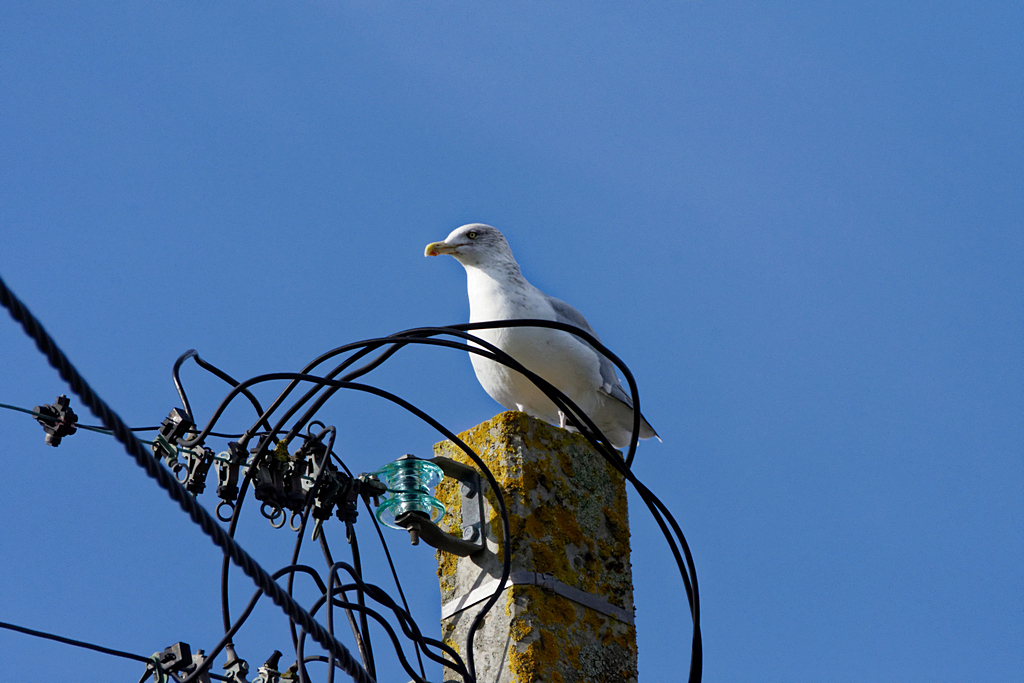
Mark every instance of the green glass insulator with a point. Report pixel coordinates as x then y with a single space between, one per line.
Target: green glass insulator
409 481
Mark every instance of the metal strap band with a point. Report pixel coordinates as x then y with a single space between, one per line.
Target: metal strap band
545 581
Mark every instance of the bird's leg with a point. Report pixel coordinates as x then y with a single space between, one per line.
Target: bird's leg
561 419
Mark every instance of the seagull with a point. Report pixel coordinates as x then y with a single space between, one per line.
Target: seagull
498 291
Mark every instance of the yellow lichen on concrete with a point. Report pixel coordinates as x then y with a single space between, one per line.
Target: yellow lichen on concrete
539 660
519 629
567 517
447 491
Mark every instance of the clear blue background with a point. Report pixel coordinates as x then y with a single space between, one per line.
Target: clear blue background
799 223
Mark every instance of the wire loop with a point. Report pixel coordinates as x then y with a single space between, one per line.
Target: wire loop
225 517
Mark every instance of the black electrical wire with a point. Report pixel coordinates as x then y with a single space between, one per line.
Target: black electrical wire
506 536
317 380
403 660
89 646
356 633
408 625
75 643
296 378
506 566
394 574
377 617
235 517
364 627
226 640
411 630
261 451
687 568
267 441
418 336
487 350
232 627
361 632
209 367
687 571
575 416
181 394
411 336
243 487
175 490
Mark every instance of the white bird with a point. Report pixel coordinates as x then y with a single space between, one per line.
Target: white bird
498 291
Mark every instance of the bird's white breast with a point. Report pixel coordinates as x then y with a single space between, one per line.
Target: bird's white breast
558 357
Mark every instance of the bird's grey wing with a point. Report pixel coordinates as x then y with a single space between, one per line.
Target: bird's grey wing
610 380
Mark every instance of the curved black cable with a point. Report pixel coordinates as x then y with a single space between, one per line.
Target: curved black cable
574 414
165 478
175 369
687 570
451 436
411 629
394 573
261 451
325 548
407 623
243 488
380 620
212 369
397 341
487 350
226 640
296 378
590 339
419 335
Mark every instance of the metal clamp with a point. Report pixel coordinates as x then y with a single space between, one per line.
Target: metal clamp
58 420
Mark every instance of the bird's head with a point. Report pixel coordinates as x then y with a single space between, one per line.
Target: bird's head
475 244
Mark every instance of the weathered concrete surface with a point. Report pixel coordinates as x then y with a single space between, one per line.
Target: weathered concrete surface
568 517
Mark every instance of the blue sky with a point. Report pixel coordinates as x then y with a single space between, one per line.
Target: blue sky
798 223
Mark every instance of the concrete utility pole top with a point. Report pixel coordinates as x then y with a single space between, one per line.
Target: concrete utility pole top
567 613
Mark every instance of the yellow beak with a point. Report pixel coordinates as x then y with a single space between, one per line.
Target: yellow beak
438 248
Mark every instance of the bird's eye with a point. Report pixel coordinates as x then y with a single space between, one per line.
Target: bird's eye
471 234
